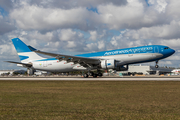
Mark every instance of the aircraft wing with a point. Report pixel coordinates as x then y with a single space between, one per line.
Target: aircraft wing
81 60
24 64
84 61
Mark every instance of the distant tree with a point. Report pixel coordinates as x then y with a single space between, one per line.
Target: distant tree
25 73
15 73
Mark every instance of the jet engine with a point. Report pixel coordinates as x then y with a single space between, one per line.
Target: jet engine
108 64
114 64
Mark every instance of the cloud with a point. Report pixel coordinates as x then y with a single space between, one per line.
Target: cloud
174 57
165 63
71 44
6 4
173 43
38 18
173 9
69 35
120 17
101 45
167 31
132 16
93 35
159 5
5 25
91 47
69 4
6 49
79 26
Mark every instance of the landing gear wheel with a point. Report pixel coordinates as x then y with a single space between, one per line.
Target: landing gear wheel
95 76
100 74
91 74
86 75
156 66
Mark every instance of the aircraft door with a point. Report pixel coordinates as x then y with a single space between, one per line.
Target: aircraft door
130 53
44 63
156 49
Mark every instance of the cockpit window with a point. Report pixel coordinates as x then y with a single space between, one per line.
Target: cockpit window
166 48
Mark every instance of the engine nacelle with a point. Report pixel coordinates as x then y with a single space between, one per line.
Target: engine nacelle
108 64
122 68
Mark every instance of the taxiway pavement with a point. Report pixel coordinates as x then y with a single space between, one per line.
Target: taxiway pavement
93 79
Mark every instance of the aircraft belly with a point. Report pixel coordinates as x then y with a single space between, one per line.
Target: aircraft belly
54 66
140 57
131 58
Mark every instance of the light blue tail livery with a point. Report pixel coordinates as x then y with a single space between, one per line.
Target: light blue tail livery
24 52
20 46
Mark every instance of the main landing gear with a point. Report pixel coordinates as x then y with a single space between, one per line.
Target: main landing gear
94 75
156 66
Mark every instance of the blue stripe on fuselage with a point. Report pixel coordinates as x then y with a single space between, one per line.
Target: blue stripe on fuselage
134 50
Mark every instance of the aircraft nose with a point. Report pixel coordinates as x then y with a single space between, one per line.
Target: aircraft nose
172 51
168 53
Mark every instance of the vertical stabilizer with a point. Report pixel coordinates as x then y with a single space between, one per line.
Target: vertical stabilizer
24 53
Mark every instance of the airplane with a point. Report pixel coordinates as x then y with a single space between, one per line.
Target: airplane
118 59
176 71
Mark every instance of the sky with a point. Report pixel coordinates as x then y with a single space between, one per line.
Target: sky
80 26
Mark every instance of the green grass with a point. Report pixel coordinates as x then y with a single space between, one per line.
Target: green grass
89 100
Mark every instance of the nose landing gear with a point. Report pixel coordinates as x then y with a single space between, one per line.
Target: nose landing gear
156 66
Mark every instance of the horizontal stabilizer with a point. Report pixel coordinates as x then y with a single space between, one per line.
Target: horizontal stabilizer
25 64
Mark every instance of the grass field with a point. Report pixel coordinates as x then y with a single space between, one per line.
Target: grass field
89 100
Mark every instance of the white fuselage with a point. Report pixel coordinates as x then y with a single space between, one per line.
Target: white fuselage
63 66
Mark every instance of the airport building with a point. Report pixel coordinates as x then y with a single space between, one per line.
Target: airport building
147 70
